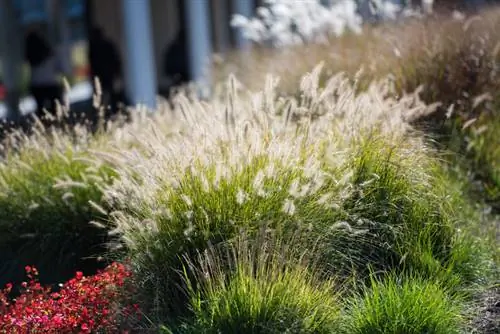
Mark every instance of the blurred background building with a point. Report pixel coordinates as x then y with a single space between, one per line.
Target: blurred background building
142 31
159 43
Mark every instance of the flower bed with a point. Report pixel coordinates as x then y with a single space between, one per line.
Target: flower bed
82 305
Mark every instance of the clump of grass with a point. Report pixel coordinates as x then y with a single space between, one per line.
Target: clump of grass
286 164
261 292
405 305
403 216
50 191
202 210
450 62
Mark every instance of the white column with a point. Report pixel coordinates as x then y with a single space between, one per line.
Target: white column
199 41
11 49
427 6
139 56
245 8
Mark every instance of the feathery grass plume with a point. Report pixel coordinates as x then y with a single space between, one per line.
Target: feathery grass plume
407 304
258 285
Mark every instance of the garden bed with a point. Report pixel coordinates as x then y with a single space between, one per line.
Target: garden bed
310 204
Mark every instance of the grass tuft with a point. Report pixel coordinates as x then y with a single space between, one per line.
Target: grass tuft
262 292
403 217
197 213
409 305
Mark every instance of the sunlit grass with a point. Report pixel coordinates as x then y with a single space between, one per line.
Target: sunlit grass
398 305
341 169
262 290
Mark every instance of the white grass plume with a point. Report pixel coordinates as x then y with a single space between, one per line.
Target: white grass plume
321 124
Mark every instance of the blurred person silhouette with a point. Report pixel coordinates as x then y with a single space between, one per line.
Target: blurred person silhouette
46 67
175 60
106 65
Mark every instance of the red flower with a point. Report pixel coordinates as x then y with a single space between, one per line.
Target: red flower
79 275
85 328
57 320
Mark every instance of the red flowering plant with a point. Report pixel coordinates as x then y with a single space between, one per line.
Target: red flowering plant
82 305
